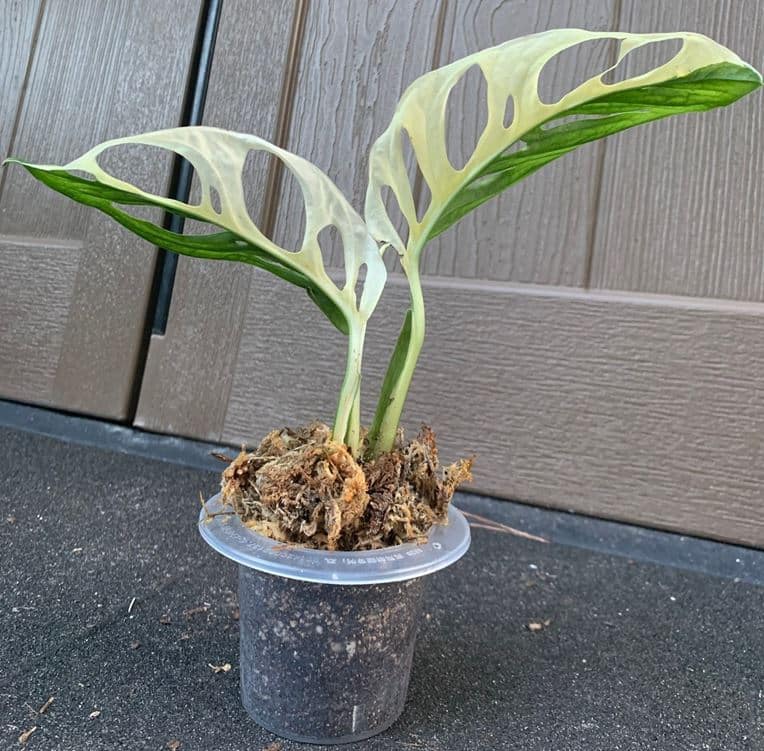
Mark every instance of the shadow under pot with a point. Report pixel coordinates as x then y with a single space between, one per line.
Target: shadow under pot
326 638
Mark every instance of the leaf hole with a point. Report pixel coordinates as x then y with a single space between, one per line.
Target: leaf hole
289 226
194 226
420 190
360 283
411 162
397 217
424 197
568 69
392 261
148 168
644 59
194 190
466 116
254 177
332 249
509 112
217 206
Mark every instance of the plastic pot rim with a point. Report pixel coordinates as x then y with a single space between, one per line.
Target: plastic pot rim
446 544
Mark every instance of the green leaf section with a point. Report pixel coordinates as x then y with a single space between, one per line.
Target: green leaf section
397 362
221 246
704 89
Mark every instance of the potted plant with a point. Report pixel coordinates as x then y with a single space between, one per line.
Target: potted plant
335 528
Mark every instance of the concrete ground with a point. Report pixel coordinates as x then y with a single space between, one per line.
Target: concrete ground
112 606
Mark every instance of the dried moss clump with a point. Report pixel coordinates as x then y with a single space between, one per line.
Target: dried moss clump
300 486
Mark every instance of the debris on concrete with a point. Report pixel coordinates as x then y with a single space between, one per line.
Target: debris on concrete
536 626
197 610
220 668
26 735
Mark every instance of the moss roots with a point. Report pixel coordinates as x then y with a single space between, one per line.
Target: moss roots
299 486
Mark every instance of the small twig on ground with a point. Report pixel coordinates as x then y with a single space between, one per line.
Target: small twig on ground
491 527
484 523
26 735
130 606
221 457
44 708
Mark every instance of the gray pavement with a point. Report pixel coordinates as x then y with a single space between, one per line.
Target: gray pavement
654 641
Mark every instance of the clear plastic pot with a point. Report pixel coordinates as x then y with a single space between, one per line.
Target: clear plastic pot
327 638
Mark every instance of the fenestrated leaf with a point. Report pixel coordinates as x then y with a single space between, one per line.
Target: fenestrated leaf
218 157
714 86
701 76
223 246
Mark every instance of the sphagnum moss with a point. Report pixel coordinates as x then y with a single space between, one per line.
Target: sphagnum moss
301 486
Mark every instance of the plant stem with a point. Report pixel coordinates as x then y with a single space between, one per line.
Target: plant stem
393 410
347 419
353 438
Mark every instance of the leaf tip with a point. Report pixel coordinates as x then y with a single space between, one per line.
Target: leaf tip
10 160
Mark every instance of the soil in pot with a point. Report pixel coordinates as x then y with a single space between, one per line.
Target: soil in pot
299 486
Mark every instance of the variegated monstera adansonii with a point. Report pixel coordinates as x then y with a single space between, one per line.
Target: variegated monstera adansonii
701 76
